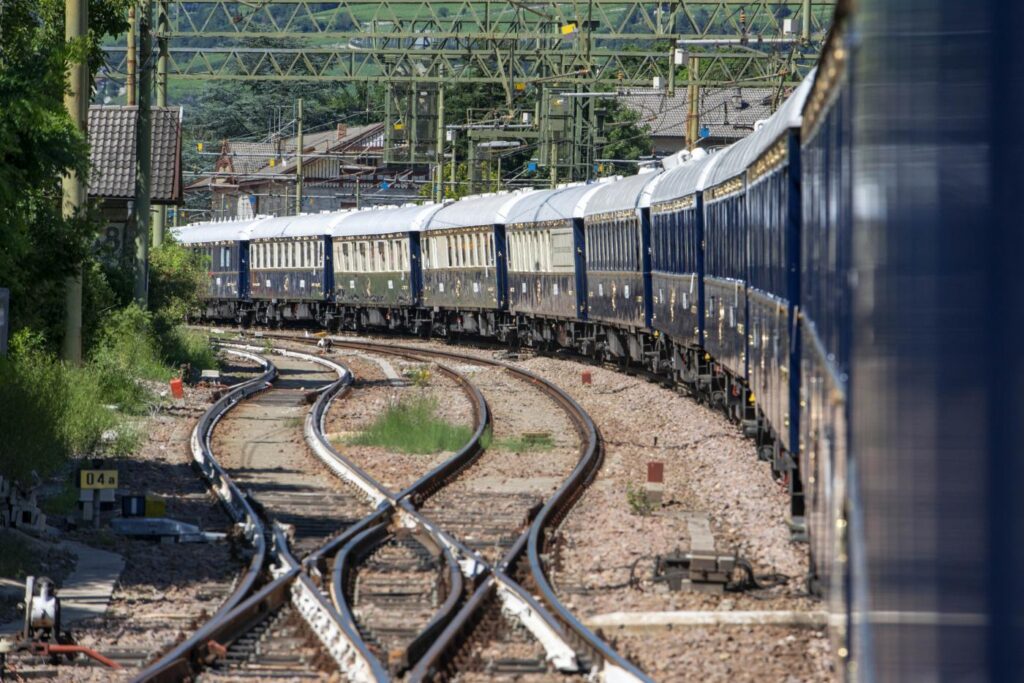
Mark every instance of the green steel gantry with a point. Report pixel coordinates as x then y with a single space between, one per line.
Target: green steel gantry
547 56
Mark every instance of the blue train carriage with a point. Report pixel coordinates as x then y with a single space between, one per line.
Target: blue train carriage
773 202
291 274
464 264
377 273
825 324
677 267
547 286
223 245
617 232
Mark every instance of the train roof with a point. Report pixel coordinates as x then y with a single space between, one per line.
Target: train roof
684 180
738 157
225 230
303 225
471 212
385 220
625 194
560 204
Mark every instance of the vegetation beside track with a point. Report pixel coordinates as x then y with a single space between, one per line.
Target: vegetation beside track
412 426
59 409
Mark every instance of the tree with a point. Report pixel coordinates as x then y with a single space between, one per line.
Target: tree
38 144
627 138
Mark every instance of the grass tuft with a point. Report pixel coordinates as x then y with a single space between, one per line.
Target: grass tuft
526 443
412 426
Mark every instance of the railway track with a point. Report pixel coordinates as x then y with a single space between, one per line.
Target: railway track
569 647
400 592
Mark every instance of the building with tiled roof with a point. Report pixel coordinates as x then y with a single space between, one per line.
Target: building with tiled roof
112 132
338 166
726 114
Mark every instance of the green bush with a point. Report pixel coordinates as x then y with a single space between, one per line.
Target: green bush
125 351
58 409
181 345
412 426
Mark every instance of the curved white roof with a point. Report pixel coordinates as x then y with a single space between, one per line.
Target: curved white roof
384 220
230 230
628 193
477 211
303 225
684 180
561 203
742 154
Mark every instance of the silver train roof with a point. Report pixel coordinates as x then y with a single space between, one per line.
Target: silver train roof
385 220
622 195
303 225
684 180
229 230
697 174
737 158
477 211
561 203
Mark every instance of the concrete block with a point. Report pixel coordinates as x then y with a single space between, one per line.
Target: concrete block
655 493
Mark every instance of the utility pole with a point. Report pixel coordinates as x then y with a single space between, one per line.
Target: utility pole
298 158
76 102
807 22
130 92
439 147
163 27
455 187
143 156
693 100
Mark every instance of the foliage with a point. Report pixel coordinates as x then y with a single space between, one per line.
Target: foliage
177 277
126 350
58 409
39 143
638 500
526 443
628 138
419 376
412 426
488 181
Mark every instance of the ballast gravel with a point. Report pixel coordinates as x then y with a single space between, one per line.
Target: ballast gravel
605 550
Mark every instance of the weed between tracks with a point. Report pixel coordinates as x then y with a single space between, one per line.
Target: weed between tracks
412 426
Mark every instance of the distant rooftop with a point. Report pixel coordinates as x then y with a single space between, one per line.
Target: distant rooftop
728 113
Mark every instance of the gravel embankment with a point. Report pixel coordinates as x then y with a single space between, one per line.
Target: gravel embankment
712 473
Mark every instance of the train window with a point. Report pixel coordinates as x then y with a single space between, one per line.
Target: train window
360 264
381 257
345 267
320 254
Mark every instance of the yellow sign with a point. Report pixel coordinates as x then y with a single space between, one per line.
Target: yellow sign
520 86
399 125
199 147
568 28
99 479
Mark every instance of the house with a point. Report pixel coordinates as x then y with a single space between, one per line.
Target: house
726 114
341 167
111 132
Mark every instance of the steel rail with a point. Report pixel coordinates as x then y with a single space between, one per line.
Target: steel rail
175 664
240 613
550 516
500 578
387 502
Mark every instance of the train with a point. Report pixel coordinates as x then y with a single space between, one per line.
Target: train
815 281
